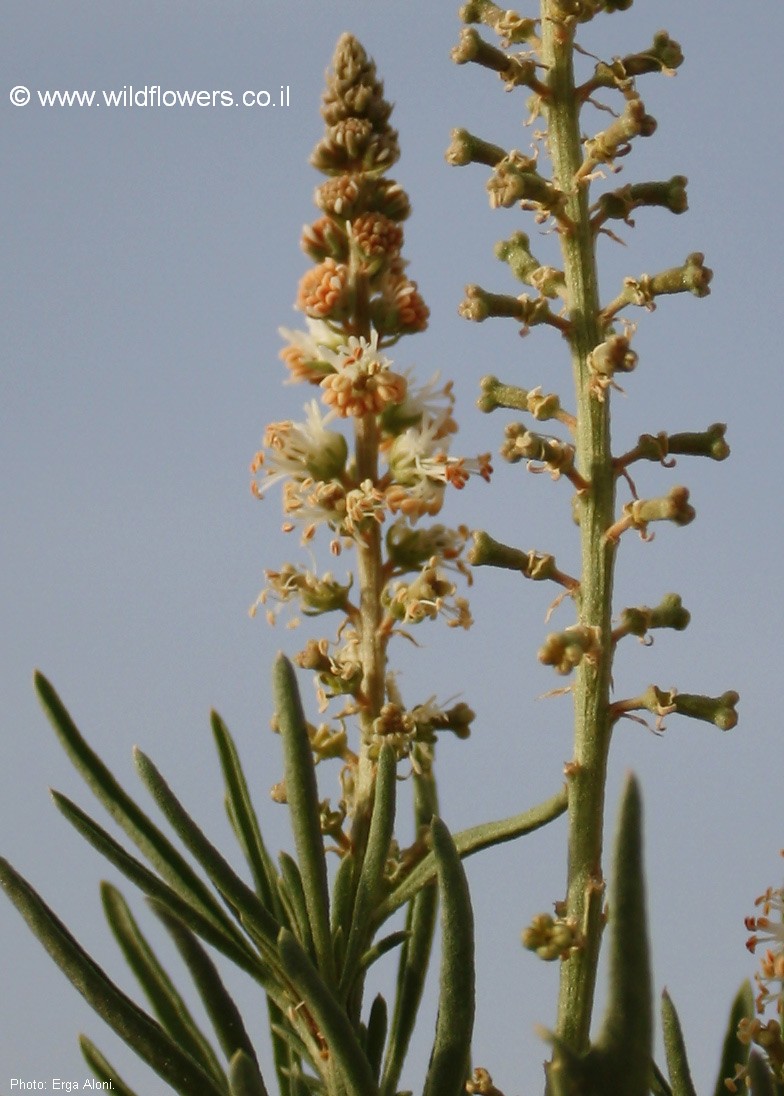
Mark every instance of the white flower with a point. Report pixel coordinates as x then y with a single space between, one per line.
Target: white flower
301 450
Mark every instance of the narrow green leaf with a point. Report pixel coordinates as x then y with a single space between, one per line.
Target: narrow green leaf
167 1004
147 1039
291 1038
735 1053
305 1086
659 1085
286 1056
449 1061
412 972
467 842
238 894
381 947
231 942
292 893
153 844
675 1049
371 874
244 1076
102 1069
415 954
624 1046
346 1054
243 815
304 812
224 1015
376 1033
343 888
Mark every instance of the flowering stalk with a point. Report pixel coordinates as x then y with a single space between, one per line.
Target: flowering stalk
540 55
393 468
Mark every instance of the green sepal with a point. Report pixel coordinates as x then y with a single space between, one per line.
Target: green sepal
467 842
229 940
166 1002
243 816
735 1053
450 1057
371 874
303 801
244 1076
147 1039
347 1057
102 1069
220 1007
242 899
162 855
675 1049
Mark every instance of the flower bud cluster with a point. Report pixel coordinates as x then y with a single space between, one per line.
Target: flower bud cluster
551 937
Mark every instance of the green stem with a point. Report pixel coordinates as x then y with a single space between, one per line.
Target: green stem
596 514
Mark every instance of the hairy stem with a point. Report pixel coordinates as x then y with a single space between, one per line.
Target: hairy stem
594 461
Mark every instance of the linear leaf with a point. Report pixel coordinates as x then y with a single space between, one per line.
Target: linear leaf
472 840
734 1053
232 943
102 1069
659 1085
244 1076
304 812
414 960
243 815
166 1002
153 844
449 1061
147 1039
412 972
224 1015
675 1049
623 1050
235 891
292 894
376 1033
371 874
381 947
333 1023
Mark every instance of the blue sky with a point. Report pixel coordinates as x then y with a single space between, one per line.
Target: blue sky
153 253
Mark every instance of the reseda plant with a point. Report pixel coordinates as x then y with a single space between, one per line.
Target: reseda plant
368 468
370 464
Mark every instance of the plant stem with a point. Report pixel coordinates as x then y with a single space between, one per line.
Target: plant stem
596 514
372 644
